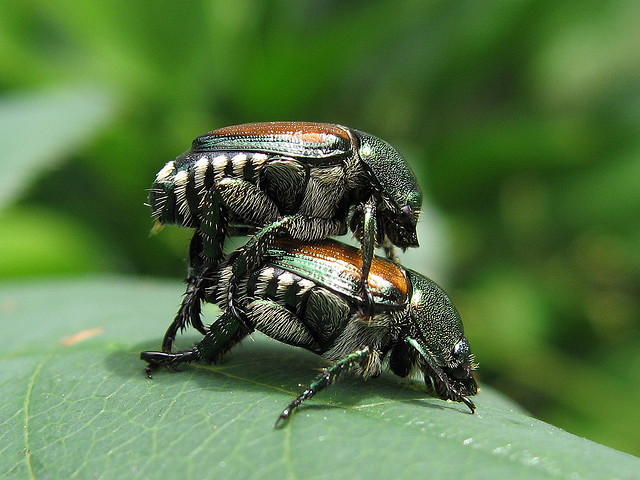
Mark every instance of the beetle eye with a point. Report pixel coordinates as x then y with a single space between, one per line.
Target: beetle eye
406 212
461 351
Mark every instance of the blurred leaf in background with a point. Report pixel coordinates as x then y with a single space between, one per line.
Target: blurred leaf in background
520 117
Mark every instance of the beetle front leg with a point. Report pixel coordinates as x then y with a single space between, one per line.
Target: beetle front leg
442 386
369 234
326 378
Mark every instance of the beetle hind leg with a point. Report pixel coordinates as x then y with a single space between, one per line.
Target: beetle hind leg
223 334
205 252
171 361
190 309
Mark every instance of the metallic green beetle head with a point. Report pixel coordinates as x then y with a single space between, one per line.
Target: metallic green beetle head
443 352
401 195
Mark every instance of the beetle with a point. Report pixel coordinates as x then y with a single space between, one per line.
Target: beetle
320 177
307 295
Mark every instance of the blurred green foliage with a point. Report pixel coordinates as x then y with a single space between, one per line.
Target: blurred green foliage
522 119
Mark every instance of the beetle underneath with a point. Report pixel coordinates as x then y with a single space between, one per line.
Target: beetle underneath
308 295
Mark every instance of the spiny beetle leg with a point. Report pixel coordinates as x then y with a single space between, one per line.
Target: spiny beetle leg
250 258
189 313
225 332
369 233
205 251
213 228
190 309
169 360
326 378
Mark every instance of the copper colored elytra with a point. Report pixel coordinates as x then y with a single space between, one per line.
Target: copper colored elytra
311 132
349 262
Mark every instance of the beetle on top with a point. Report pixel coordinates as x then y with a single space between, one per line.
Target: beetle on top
311 179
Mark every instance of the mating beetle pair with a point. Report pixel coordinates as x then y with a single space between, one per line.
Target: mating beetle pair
306 182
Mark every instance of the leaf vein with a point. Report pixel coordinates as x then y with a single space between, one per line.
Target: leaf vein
27 401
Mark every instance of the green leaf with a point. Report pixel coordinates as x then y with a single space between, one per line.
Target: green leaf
76 404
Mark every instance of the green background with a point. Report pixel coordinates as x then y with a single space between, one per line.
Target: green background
521 119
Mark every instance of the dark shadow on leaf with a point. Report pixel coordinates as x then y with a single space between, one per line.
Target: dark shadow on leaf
268 366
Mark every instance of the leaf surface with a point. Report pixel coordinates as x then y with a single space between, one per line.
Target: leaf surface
76 404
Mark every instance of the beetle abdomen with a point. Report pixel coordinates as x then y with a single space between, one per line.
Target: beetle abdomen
286 306
180 187
311 315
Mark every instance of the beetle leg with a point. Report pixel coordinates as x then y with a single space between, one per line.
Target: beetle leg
369 233
249 258
251 205
390 251
205 252
250 255
326 378
156 360
189 312
451 392
247 202
213 227
223 334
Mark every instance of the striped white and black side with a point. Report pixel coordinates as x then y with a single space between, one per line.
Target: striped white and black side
288 307
179 190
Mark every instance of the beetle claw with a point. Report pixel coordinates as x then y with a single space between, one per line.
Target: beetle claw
162 359
149 370
366 310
